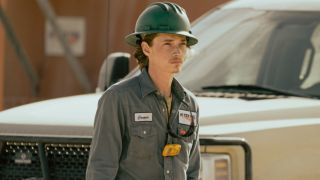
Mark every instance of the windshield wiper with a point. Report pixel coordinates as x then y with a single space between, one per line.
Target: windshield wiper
252 89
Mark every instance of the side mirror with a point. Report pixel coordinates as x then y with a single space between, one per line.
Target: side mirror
114 68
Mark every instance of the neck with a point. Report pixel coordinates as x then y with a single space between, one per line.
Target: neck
162 81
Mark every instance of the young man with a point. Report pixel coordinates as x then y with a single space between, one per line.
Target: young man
146 127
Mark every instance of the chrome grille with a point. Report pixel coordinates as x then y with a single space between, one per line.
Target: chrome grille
20 160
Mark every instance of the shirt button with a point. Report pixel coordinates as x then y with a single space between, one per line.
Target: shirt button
168 172
144 132
163 110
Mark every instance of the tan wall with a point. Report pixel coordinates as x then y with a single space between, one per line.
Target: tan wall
56 77
1 67
2 39
27 21
107 22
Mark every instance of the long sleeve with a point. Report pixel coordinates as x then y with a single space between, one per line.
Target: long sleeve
106 145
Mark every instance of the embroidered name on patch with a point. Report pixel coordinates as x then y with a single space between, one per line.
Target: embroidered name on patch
142 117
185 117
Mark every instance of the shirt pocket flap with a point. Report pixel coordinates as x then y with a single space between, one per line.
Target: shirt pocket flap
143 131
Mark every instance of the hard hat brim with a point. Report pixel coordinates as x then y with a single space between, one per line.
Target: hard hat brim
133 39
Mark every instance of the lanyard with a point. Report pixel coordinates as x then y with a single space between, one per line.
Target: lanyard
174 149
190 129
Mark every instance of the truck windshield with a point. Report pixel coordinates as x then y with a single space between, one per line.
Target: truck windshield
271 49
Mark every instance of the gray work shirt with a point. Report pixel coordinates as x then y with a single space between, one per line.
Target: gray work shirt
130 132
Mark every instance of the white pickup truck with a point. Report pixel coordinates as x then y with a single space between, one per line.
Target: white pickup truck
256 75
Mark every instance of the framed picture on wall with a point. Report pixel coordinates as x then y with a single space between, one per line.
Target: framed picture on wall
73 28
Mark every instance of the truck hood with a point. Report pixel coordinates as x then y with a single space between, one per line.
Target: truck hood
229 116
74 115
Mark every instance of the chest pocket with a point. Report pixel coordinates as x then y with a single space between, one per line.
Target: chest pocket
142 142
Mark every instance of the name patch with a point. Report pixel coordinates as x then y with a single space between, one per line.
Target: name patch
142 117
185 117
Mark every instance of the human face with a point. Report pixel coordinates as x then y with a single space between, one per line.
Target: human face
166 53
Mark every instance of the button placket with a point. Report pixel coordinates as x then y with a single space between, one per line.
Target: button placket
168 162
164 108
160 102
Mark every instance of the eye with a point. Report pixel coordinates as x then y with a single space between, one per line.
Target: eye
183 44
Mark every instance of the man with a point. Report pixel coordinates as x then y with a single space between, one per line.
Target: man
146 127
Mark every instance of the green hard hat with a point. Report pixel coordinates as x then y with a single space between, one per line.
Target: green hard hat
162 17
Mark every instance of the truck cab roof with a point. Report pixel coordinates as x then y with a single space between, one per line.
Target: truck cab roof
283 5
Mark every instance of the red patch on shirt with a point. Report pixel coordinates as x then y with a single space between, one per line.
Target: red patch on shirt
182 132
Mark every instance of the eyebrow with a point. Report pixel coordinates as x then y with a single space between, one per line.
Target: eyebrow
170 40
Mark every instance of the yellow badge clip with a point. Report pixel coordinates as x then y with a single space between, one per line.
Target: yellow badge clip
171 150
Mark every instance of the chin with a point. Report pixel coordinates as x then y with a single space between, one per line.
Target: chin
176 70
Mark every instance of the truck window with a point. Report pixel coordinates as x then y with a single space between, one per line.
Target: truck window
310 72
277 50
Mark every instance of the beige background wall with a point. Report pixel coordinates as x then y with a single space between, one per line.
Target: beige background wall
107 22
2 37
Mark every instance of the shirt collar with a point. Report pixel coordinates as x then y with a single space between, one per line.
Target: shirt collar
147 86
178 89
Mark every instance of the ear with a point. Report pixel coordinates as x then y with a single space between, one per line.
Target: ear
145 48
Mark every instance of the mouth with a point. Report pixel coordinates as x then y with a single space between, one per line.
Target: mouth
176 61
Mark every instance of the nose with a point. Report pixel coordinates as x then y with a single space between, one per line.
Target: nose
177 50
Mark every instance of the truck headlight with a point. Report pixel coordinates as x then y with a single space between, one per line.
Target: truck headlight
215 167
225 158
